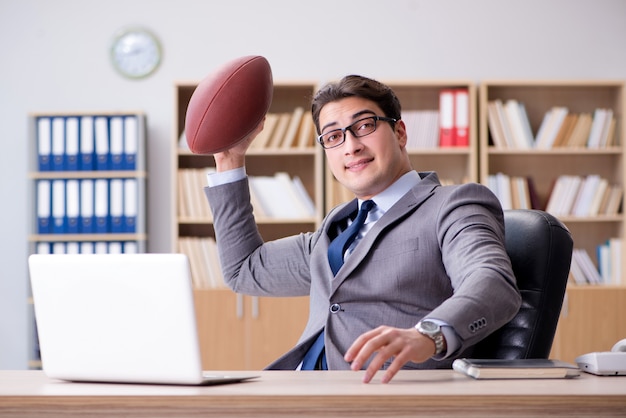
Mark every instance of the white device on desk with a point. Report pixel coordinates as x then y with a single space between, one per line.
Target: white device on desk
605 363
123 318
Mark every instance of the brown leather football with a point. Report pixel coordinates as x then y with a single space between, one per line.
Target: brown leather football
228 104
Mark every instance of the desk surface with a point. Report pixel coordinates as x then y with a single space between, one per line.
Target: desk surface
335 393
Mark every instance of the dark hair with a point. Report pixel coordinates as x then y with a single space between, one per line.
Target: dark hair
356 86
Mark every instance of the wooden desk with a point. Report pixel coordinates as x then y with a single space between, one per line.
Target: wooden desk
316 394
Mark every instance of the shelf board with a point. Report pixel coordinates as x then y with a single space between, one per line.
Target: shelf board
86 174
86 237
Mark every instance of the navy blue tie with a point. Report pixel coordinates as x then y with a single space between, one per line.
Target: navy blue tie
336 250
338 247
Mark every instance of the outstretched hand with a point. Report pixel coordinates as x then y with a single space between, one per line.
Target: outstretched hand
403 345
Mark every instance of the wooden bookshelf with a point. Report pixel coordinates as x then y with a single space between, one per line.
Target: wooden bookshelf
592 317
259 329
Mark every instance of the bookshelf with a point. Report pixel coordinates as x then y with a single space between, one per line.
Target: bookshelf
258 329
545 165
421 99
87 178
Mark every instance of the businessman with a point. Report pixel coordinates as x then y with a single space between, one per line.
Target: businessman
423 278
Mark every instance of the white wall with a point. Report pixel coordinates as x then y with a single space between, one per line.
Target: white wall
54 57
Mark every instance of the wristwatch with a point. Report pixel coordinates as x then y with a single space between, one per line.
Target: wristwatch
432 330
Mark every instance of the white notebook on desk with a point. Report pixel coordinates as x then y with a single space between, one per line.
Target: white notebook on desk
126 318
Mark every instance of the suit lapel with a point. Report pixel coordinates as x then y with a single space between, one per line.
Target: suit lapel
403 208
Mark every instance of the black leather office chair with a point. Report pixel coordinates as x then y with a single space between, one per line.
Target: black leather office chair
540 248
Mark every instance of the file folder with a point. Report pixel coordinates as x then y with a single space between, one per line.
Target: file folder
44 206
44 143
116 207
72 138
72 206
58 248
116 142
86 247
461 117
58 144
101 206
101 138
446 118
115 247
130 247
58 206
43 248
72 247
101 247
131 142
130 205
87 206
87 143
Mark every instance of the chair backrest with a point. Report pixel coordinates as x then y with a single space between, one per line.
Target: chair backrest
540 248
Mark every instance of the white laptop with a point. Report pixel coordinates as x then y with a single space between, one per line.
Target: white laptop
126 318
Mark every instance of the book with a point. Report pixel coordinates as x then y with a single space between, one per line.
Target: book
495 127
307 132
515 369
292 128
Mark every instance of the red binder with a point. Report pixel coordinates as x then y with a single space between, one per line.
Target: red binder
461 117
446 118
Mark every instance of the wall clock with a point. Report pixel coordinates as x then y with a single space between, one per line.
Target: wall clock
136 53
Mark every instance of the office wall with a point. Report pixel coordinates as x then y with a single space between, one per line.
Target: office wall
55 58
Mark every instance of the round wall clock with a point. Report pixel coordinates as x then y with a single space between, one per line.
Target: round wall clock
136 53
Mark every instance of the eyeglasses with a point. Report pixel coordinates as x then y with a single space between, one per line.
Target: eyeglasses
360 128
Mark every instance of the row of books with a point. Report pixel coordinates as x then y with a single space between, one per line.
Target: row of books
514 192
609 270
581 196
422 128
510 128
86 206
86 143
446 127
206 271
284 130
589 195
277 196
87 247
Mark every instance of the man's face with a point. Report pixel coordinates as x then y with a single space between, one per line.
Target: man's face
366 165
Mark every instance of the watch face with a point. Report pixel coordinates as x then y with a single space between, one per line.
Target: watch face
429 326
136 53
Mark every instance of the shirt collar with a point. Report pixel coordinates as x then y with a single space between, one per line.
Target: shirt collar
388 197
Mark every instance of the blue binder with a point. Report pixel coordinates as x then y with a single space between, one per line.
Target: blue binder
87 143
101 206
72 138
101 137
58 144
130 205
58 207
131 142
72 206
116 142
44 206
44 143
116 205
87 206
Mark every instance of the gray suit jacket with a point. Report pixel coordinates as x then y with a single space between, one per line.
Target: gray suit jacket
437 253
